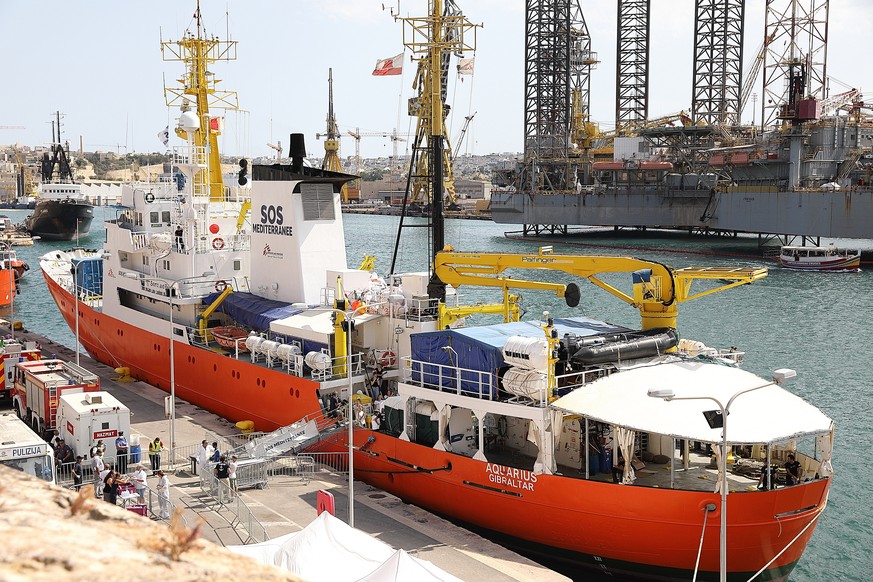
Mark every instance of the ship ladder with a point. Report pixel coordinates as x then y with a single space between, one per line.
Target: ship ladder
53 407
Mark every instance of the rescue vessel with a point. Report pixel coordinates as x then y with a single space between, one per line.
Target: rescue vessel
186 256
511 428
637 454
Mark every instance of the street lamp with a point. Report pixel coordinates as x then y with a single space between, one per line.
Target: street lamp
347 315
667 394
172 408
76 305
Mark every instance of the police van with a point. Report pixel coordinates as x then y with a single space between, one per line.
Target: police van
21 449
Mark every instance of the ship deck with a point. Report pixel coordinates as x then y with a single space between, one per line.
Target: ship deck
701 474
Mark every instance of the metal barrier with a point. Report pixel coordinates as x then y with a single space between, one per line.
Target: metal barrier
299 466
229 500
338 461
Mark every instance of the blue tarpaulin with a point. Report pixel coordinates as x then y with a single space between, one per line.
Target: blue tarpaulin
480 349
252 311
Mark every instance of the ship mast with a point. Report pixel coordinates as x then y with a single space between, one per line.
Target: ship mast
200 86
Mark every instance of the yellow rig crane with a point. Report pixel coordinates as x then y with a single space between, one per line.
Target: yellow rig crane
331 137
432 40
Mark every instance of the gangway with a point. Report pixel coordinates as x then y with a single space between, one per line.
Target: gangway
288 439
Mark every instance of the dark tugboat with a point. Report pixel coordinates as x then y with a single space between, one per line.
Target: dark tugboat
62 211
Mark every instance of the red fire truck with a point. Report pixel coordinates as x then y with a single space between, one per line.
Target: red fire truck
39 385
12 352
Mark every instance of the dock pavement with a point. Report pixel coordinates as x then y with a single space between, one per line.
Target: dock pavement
288 503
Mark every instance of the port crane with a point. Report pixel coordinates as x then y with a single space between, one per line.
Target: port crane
432 39
392 135
467 120
331 161
278 147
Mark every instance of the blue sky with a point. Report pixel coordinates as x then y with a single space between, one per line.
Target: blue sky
99 62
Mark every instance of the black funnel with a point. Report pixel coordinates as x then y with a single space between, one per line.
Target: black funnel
297 152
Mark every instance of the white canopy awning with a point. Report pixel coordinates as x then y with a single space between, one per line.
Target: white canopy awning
768 415
314 325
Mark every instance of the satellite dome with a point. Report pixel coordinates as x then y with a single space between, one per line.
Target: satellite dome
189 121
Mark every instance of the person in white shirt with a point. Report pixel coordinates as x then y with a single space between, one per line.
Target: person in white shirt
203 454
97 467
139 481
231 475
163 495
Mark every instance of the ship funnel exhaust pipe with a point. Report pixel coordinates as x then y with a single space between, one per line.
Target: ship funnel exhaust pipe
297 152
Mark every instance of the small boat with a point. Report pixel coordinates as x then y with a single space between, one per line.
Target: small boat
829 258
12 234
10 261
230 336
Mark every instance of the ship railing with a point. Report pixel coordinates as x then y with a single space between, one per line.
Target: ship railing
233 242
186 154
454 379
139 240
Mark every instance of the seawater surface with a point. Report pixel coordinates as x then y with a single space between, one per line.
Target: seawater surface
819 324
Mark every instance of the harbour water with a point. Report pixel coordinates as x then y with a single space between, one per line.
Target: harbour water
819 324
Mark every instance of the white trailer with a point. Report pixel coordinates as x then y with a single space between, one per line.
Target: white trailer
23 450
86 417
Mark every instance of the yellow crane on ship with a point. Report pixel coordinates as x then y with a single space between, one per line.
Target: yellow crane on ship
657 288
200 85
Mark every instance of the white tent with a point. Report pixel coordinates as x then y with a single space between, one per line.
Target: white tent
402 566
329 550
767 415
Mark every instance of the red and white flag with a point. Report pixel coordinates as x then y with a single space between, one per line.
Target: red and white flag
465 66
392 66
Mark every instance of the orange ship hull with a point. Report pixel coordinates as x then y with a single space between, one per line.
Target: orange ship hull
630 532
231 388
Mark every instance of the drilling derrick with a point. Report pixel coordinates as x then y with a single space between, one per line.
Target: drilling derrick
718 61
795 64
199 87
558 61
331 159
632 64
433 39
582 61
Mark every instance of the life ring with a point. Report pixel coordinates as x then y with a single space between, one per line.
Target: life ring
220 286
388 358
501 426
149 197
218 244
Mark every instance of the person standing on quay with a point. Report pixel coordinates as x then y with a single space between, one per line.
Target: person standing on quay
97 468
121 453
155 448
77 473
231 474
163 495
